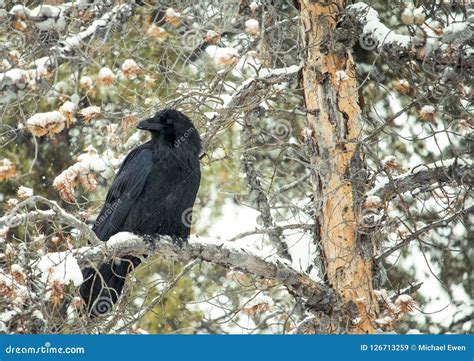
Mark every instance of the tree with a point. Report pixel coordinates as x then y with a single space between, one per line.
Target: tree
339 131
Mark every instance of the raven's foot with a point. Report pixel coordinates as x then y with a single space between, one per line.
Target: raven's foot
179 241
150 239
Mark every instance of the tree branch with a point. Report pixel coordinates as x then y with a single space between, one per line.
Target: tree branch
441 223
250 89
374 35
18 79
14 219
318 296
448 171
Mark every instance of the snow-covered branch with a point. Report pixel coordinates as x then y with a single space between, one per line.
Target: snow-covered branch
444 172
317 296
48 17
374 35
247 97
18 79
14 218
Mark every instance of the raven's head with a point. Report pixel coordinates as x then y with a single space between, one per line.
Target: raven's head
172 126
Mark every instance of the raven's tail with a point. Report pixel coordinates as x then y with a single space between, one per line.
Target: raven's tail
102 288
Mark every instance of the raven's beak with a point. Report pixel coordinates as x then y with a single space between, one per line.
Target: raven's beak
149 124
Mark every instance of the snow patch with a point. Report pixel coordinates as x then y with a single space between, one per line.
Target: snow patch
60 266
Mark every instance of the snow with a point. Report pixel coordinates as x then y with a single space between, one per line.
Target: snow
404 299
458 30
419 15
86 82
223 55
341 75
372 25
120 238
90 112
373 201
172 12
68 107
252 27
60 266
24 192
43 123
407 15
8 315
82 170
218 153
5 280
20 10
388 159
387 320
5 165
77 39
91 160
130 65
106 73
44 17
14 76
254 6
267 72
37 314
428 109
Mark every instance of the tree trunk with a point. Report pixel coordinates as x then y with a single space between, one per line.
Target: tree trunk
334 115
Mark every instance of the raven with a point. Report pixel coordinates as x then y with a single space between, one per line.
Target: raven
152 194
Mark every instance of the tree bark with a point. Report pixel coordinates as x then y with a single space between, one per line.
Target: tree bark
331 96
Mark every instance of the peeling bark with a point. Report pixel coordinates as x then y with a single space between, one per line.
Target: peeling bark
330 91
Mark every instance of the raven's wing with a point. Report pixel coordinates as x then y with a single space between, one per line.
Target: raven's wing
125 189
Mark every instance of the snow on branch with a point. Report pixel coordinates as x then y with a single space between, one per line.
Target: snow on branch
447 171
47 17
374 35
318 296
247 96
17 79
14 218
227 254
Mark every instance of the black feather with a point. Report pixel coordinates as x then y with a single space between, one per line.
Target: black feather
153 193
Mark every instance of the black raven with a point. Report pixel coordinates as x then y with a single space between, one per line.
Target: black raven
153 193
